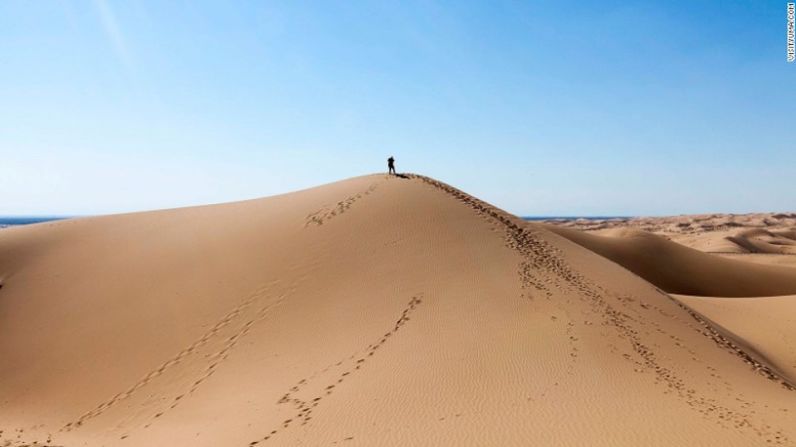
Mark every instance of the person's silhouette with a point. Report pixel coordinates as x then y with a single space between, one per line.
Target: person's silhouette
391 165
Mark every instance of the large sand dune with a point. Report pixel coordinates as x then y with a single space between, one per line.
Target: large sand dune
373 311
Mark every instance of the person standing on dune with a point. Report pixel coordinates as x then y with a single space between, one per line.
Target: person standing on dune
391 165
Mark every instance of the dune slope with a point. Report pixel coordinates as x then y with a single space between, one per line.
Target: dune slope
682 270
373 311
763 325
766 241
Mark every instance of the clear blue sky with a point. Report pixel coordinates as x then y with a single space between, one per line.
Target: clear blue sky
542 108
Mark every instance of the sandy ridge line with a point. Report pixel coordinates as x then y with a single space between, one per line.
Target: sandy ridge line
714 333
542 255
710 331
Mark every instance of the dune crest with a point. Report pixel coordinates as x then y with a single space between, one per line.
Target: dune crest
766 241
372 311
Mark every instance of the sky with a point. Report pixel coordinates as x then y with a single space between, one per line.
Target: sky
541 107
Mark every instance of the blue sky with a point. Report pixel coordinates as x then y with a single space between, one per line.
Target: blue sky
542 108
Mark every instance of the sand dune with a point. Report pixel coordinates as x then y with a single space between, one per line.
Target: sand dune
373 311
679 269
767 233
763 325
695 223
766 241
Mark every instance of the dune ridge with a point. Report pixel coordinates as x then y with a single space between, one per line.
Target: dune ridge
729 234
762 324
377 310
519 238
766 241
682 270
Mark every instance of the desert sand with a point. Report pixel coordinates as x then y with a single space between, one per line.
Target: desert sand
393 311
726 234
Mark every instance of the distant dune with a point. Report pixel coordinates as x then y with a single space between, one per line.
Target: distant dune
679 269
766 233
383 311
766 241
